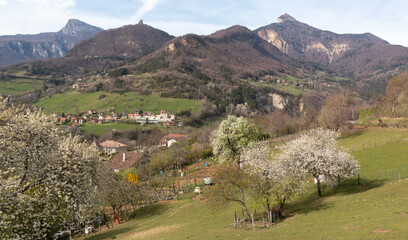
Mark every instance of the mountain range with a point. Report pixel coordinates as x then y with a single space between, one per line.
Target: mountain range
20 48
285 48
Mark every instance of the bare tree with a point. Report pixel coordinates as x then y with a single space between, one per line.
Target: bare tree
336 110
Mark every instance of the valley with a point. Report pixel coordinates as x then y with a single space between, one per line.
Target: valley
284 131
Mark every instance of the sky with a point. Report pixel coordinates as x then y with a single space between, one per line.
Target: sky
384 18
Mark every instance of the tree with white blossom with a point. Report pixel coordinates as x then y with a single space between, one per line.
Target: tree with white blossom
274 183
46 176
233 135
317 153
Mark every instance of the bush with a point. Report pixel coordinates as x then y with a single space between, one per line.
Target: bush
118 72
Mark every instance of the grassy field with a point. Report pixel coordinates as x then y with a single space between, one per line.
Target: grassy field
17 86
98 129
371 210
358 212
75 102
280 86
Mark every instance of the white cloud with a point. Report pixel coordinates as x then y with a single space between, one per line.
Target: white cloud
34 16
147 6
3 2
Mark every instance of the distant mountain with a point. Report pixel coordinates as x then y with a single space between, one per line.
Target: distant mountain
127 42
228 53
108 49
358 56
20 48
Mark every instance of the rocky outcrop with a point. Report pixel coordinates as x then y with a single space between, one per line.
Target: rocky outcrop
358 56
279 101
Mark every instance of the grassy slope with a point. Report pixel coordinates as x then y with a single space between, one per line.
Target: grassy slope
281 86
16 86
348 212
75 102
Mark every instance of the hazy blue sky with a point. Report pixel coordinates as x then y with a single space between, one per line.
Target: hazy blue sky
385 18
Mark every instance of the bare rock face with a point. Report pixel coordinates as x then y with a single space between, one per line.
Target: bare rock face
279 101
273 37
20 48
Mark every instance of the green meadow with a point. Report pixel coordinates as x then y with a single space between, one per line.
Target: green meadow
98 129
17 86
75 102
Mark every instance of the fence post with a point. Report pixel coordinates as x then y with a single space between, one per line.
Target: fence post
399 174
253 222
235 220
379 176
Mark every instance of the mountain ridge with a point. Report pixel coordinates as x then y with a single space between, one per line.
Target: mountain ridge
330 49
24 47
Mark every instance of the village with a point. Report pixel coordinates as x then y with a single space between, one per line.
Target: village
94 117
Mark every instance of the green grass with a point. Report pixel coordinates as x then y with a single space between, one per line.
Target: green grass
379 149
292 79
17 86
280 86
371 210
352 213
372 137
75 102
98 129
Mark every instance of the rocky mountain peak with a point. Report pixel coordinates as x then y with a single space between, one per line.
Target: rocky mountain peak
285 17
74 26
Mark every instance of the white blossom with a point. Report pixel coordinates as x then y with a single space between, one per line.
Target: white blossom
46 177
317 153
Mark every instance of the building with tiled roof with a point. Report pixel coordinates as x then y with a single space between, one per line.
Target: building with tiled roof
111 146
125 160
168 140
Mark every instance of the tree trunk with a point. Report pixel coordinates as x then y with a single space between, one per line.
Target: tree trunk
282 205
243 204
319 190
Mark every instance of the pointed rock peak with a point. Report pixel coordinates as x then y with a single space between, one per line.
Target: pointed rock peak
141 21
74 26
285 17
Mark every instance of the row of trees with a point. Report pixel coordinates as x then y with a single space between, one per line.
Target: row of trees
250 168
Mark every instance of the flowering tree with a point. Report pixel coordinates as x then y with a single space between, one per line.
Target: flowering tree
274 183
233 135
46 177
317 153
